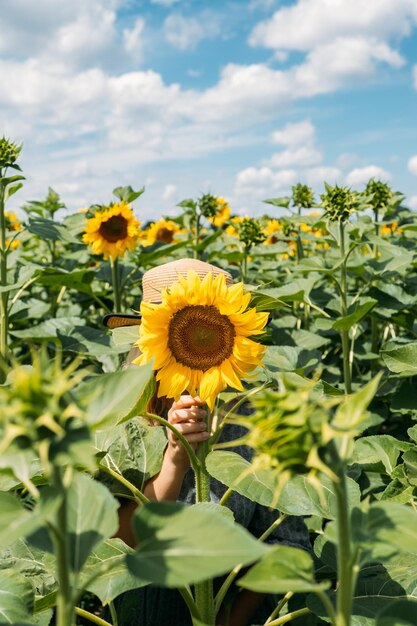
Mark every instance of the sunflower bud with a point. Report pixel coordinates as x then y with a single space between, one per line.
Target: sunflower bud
250 232
381 194
36 405
208 205
339 203
9 152
302 196
286 431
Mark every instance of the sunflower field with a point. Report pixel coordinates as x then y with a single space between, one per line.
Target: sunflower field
316 331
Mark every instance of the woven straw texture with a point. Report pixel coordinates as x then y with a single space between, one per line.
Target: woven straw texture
156 279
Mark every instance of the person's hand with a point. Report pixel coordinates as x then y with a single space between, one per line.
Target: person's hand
188 417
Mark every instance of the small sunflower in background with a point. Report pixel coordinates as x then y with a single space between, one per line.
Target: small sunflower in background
271 230
389 228
231 230
222 215
112 230
14 225
12 221
199 337
165 231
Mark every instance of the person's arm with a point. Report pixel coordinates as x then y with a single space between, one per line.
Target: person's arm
188 417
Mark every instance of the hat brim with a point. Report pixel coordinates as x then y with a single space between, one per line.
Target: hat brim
116 320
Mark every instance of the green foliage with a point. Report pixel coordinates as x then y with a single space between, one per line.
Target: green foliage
348 272
250 232
302 196
9 153
339 203
283 569
208 205
174 537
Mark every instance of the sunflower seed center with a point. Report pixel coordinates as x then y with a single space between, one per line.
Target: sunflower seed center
200 337
165 234
114 229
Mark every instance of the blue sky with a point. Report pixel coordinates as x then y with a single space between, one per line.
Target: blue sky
241 98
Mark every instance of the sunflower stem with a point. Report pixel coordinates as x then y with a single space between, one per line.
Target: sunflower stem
196 236
4 296
344 309
204 597
194 460
138 496
116 286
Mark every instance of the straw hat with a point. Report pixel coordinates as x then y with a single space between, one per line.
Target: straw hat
156 279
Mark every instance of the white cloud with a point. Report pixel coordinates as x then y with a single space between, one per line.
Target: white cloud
78 32
91 31
242 88
346 159
306 24
361 175
342 39
412 165
133 41
65 78
344 60
169 193
415 76
324 173
295 134
300 139
300 156
264 175
253 184
185 33
412 202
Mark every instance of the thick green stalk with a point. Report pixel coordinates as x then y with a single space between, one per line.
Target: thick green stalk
374 323
113 614
204 597
343 303
346 558
189 601
244 264
196 235
65 607
116 287
4 294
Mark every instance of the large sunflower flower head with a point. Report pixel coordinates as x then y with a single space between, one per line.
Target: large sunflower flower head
199 336
112 230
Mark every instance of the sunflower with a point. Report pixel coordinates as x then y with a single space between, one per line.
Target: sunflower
164 230
271 230
12 221
222 215
112 230
199 337
231 230
390 228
